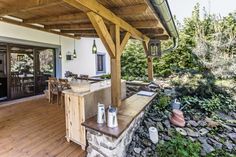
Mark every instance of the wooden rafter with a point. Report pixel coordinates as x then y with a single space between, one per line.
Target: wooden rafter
114 45
145 24
133 10
93 5
79 31
28 5
35 27
61 18
103 33
80 26
124 41
152 31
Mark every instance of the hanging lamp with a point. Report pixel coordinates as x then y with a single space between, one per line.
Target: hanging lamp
60 55
94 47
74 54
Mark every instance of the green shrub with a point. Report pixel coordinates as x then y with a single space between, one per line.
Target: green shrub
210 105
163 102
179 147
220 153
106 76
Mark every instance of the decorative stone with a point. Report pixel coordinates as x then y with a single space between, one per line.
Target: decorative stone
177 118
216 144
234 129
229 145
181 131
167 124
202 123
160 126
211 123
207 148
232 136
146 142
192 139
167 138
227 127
193 123
203 131
146 151
137 150
202 139
191 133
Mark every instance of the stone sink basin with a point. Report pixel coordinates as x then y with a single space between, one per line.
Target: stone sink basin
80 86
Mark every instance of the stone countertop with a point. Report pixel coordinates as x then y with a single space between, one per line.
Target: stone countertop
128 111
93 87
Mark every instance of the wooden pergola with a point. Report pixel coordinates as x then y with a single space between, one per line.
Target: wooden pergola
113 21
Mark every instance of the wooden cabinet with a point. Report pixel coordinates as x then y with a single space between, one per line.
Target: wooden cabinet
81 106
75 115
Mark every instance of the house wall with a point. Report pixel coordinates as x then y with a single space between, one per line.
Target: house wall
84 63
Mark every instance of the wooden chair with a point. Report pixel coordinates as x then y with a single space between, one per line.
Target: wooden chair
64 84
54 89
15 81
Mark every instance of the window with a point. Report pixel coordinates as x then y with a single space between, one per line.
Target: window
101 63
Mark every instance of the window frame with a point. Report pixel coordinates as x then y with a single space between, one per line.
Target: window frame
104 63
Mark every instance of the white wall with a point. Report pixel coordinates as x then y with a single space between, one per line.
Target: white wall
83 64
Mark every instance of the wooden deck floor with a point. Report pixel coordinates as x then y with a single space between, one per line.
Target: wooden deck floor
35 128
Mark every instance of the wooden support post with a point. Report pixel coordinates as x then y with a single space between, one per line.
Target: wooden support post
115 47
116 68
150 68
149 61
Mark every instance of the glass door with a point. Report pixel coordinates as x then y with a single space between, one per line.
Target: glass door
21 71
44 68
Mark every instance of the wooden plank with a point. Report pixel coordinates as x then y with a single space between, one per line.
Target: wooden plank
145 24
27 6
133 10
61 18
35 27
81 26
124 41
152 30
128 111
79 31
103 33
34 128
93 5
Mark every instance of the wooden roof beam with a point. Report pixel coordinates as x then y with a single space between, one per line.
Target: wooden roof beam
145 24
93 5
82 26
27 5
121 11
133 10
61 18
160 36
78 31
35 27
153 30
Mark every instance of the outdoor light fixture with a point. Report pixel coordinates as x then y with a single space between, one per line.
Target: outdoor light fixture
60 56
94 48
74 54
154 48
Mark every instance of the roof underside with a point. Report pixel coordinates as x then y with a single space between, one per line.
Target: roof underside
61 18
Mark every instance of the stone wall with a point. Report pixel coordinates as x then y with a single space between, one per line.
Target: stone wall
100 145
